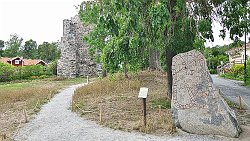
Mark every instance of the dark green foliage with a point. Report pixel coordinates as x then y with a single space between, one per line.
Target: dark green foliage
6 72
48 51
248 73
124 31
213 71
237 72
232 76
235 18
33 71
29 50
127 32
53 67
9 72
1 47
13 46
217 55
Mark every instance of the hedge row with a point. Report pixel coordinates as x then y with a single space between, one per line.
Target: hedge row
9 72
237 72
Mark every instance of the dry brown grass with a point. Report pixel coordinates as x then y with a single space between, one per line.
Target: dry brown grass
28 96
121 108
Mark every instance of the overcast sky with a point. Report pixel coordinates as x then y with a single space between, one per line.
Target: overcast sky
42 20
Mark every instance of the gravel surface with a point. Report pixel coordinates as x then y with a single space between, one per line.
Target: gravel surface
55 122
232 89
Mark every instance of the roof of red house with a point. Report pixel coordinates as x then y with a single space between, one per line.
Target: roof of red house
4 59
28 62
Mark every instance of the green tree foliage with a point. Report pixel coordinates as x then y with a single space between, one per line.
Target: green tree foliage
248 73
237 72
6 72
235 18
126 30
132 27
12 48
48 51
53 67
119 41
10 73
216 55
1 47
29 50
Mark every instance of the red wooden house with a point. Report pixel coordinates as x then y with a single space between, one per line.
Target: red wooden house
19 61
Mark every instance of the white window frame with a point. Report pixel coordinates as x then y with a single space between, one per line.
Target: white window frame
17 62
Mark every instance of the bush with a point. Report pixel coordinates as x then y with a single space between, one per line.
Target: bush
237 72
213 71
34 70
238 69
248 73
53 68
6 72
9 72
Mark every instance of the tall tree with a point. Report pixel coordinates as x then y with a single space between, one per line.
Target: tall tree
13 45
1 47
117 33
235 17
48 51
126 30
29 50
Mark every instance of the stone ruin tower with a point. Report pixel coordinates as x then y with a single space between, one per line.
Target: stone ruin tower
74 60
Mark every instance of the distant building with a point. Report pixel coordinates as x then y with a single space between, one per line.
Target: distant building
19 61
237 55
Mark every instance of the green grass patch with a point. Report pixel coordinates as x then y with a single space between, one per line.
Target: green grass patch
232 104
14 86
232 76
165 103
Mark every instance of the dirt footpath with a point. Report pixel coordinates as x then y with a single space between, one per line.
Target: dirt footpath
56 122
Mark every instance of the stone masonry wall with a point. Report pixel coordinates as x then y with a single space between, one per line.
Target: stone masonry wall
74 60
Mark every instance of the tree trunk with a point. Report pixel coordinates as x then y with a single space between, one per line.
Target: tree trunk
125 70
104 73
169 57
154 59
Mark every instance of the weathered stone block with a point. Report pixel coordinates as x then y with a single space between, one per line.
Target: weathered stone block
197 105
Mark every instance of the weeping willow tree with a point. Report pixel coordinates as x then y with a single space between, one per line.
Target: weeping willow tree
127 31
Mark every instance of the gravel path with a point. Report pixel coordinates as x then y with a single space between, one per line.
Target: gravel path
231 89
55 122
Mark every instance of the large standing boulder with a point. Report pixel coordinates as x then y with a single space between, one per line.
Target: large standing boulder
197 105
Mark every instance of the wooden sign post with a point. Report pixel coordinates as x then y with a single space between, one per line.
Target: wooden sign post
143 94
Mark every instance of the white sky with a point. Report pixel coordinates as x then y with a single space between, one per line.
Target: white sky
42 20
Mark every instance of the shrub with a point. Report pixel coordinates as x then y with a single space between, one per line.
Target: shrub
213 71
6 72
248 73
53 68
237 72
9 72
238 69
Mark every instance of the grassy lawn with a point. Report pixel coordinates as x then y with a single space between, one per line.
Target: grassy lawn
116 100
18 98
